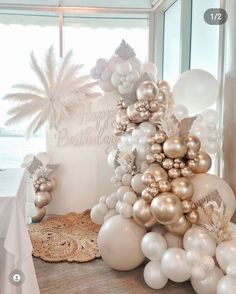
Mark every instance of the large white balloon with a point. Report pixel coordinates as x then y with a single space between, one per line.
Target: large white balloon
179 111
209 284
175 265
119 241
226 285
197 238
197 89
154 276
226 253
153 246
204 184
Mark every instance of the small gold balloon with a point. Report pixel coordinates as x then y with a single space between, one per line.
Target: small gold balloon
160 137
204 163
193 143
142 214
147 90
175 147
163 85
43 187
193 216
42 199
147 196
186 172
162 97
133 114
156 148
164 186
192 164
168 163
121 114
192 154
130 127
40 214
180 227
174 173
151 140
157 171
186 205
166 208
150 158
50 186
158 157
148 179
182 187
153 106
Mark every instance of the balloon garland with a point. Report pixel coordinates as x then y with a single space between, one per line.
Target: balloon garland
166 207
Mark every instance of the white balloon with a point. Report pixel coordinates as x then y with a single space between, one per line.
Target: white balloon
207 262
159 229
103 199
148 128
210 147
173 240
209 284
144 167
150 68
197 238
126 210
231 270
210 115
153 246
126 179
118 206
197 89
226 285
193 256
102 208
132 76
198 273
175 265
179 111
153 275
137 184
119 171
130 198
204 184
213 136
110 214
136 64
123 67
111 158
106 86
119 242
96 216
113 61
226 253
115 79
111 201
121 192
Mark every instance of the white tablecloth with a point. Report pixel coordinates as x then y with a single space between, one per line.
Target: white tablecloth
15 245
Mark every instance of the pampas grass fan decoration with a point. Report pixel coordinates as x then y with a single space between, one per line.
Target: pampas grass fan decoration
61 87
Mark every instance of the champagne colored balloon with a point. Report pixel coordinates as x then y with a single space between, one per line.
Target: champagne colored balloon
40 214
43 187
175 266
197 89
148 179
180 227
193 143
153 275
226 285
133 114
209 284
182 187
121 114
166 208
175 147
119 241
204 184
50 186
164 186
163 85
197 238
42 199
226 253
187 206
204 163
173 240
153 246
137 184
142 214
147 90
158 172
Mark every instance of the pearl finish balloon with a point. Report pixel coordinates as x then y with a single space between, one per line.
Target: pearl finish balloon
175 265
137 184
121 192
96 216
153 275
40 214
148 179
175 147
119 241
42 199
180 227
147 91
153 246
158 172
111 158
226 285
142 214
197 89
193 143
204 163
182 187
226 253
166 208
204 184
130 198
109 214
173 240
197 238
209 284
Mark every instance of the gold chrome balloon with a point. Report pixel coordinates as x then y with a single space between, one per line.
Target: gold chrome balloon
166 208
157 171
42 199
204 163
164 186
193 143
193 216
174 173
150 158
133 114
156 148
142 214
192 154
160 137
180 227
41 212
182 187
186 205
146 195
186 172
147 90
168 163
148 179
43 187
175 147
163 85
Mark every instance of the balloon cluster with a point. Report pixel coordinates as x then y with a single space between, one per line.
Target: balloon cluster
162 185
44 184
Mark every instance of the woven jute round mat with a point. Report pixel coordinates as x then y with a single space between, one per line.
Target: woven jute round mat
71 237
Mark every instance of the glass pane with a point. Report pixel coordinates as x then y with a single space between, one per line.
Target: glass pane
205 38
18 39
171 66
93 38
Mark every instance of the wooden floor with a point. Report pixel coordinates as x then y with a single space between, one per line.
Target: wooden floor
96 278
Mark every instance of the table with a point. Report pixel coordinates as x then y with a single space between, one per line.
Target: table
17 273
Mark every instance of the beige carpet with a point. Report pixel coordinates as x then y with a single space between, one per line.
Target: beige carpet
72 237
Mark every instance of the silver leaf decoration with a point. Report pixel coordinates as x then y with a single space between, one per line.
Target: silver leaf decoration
125 51
185 125
34 166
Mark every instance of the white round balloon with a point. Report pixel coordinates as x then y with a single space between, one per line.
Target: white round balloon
137 184
226 253
153 275
226 285
111 158
153 246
